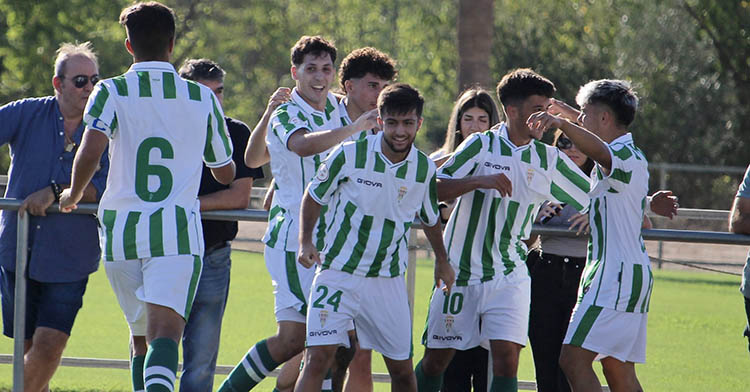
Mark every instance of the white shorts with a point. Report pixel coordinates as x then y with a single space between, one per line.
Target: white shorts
378 306
502 306
169 281
608 332
291 284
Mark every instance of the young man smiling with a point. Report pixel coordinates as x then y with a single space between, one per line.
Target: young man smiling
299 136
379 184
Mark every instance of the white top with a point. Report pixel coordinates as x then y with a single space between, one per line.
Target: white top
618 272
159 125
374 203
291 171
485 232
346 120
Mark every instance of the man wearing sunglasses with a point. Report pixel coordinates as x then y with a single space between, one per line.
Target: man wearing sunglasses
43 134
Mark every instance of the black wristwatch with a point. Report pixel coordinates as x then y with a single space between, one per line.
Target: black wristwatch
56 190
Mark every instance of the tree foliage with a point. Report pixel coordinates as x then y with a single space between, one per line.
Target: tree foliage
688 59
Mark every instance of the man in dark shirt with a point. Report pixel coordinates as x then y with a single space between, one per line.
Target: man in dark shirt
200 341
44 134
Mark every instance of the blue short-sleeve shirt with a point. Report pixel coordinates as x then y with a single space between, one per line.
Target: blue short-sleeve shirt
62 248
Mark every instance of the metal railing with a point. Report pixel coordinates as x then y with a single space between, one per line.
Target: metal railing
706 237
664 168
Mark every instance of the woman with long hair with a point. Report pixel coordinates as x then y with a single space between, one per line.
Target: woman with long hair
474 111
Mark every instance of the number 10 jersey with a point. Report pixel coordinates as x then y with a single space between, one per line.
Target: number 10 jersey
159 126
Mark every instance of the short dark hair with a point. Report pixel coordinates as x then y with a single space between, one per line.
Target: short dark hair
618 95
201 69
315 45
521 83
400 98
150 27
366 60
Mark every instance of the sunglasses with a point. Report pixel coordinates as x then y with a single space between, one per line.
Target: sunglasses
564 143
81 80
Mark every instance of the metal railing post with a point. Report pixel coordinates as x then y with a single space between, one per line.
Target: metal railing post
19 306
661 254
411 271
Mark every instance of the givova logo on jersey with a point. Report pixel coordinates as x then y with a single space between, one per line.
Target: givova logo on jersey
371 183
496 166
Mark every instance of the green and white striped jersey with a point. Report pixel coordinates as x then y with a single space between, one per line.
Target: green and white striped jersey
291 171
484 235
346 120
159 125
373 204
618 271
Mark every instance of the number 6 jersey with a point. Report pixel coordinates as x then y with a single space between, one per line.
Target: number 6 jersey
159 126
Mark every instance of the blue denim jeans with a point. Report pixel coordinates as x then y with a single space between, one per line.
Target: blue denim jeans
200 341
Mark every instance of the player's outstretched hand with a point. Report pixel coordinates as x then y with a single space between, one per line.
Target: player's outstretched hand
308 255
444 275
68 201
38 202
498 181
580 221
562 109
368 120
539 122
664 203
281 95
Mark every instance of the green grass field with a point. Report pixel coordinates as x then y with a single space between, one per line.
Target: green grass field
695 326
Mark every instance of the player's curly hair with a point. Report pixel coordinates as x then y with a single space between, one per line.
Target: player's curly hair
366 60
521 83
315 45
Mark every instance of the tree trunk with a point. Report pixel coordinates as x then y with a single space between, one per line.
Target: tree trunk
475 28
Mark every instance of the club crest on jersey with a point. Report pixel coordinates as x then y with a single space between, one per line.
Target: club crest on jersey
323 316
322 174
448 323
529 175
402 192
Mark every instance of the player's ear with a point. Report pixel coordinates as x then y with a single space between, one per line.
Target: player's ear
419 123
293 70
606 117
128 46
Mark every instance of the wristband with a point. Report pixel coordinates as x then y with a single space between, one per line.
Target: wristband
56 190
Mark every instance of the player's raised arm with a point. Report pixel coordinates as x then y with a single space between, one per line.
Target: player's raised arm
256 153
305 143
454 179
589 144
